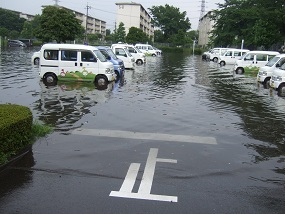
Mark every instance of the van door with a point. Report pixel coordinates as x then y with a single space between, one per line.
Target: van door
261 60
68 64
89 65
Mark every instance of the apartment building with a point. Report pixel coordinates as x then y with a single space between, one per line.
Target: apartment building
134 15
204 28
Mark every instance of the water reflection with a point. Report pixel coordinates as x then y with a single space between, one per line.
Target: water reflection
262 114
64 104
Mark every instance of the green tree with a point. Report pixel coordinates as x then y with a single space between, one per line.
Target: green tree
170 20
158 36
58 24
10 21
120 33
136 35
258 22
27 31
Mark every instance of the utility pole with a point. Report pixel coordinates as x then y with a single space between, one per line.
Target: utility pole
87 8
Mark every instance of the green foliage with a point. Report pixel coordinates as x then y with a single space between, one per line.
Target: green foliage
170 20
136 35
10 22
17 130
120 33
258 22
29 27
58 24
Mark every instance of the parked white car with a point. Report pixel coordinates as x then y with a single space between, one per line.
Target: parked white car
147 49
277 80
36 58
123 54
213 54
265 72
136 53
253 60
230 56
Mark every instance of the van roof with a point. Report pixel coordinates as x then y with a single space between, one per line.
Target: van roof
265 52
68 46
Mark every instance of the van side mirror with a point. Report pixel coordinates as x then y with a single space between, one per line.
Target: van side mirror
108 58
278 65
125 55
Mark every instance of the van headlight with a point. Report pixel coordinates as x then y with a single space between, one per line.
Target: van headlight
264 73
278 78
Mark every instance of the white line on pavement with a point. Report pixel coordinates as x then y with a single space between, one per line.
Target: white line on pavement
145 136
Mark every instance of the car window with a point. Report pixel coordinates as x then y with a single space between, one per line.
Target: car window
229 53
87 56
51 54
261 57
68 55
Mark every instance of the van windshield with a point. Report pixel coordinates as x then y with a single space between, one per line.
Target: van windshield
111 53
100 56
272 61
282 67
130 55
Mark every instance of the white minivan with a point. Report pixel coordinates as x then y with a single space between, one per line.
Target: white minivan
230 56
74 62
265 72
136 53
277 80
213 54
123 54
147 49
253 60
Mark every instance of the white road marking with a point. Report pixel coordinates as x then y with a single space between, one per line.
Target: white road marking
145 136
147 180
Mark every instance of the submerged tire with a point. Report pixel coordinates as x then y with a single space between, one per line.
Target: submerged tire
239 70
281 90
139 62
101 82
222 63
50 79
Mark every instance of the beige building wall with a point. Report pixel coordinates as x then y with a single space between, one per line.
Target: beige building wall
134 15
204 28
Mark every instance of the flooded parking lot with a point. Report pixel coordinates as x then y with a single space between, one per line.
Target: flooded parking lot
176 135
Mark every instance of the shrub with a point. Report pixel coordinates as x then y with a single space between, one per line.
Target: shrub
17 130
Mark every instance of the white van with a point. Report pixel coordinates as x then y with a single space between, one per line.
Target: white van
136 53
277 80
253 60
230 56
74 62
147 49
213 54
123 54
265 72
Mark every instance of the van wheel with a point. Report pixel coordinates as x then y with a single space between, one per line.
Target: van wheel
266 83
222 63
239 70
36 61
50 79
139 62
281 90
101 80
215 59
153 54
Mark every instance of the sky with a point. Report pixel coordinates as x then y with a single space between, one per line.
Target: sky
106 9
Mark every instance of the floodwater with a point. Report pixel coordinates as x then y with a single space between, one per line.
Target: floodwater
175 94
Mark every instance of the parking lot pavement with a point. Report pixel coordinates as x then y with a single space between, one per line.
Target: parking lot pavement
88 173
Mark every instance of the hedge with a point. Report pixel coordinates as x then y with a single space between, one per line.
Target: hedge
15 130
